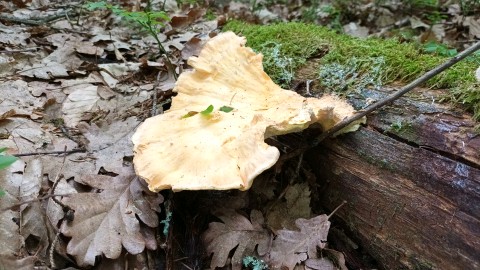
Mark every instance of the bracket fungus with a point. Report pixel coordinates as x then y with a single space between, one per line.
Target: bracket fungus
213 135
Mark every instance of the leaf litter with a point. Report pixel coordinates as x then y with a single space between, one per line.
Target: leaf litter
65 72
109 219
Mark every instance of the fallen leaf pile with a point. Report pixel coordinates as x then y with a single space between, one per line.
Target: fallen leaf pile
75 84
287 249
80 88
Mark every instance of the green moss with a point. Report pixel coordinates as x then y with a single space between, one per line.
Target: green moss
403 61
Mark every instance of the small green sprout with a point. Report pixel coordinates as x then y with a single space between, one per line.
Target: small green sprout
226 109
152 21
439 49
207 111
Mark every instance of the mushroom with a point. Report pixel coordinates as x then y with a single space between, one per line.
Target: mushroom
212 137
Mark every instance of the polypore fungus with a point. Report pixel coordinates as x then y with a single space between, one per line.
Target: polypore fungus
213 135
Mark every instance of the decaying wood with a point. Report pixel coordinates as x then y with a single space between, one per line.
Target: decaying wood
412 181
394 96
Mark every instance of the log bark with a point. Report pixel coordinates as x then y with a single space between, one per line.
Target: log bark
411 177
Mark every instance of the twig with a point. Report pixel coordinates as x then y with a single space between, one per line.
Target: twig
425 77
33 21
19 51
35 200
51 153
52 250
155 94
336 209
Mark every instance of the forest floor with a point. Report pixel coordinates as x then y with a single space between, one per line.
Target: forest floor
77 79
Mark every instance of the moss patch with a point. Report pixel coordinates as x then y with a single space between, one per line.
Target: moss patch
401 62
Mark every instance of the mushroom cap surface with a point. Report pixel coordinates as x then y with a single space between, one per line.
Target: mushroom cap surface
190 148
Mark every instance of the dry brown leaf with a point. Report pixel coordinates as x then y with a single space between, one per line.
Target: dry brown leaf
192 48
12 262
236 231
179 41
292 247
45 71
16 97
110 143
335 261
117 70
297 205
109 219
319 264
14 38
21 182
80 101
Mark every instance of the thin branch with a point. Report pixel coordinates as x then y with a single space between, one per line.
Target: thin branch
51 153
35 200
425 77
19 51
32 21
155 94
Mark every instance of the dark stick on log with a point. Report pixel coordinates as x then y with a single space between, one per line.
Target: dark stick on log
427 76
51 153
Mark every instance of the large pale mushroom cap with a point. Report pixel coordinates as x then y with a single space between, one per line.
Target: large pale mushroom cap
224 150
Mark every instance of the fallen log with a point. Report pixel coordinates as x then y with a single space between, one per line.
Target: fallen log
411 177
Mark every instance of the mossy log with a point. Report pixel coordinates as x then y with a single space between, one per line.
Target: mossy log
411 177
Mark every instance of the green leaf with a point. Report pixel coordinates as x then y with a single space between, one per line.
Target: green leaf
189 114
2 192
226 109
452 52
207 111
95 5
2 149
6 161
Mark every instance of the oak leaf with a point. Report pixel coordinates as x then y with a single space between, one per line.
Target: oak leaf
292 247
236 231
296 205
110 218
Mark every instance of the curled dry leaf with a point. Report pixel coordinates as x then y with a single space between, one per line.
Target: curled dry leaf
109 219
236 231
293 247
